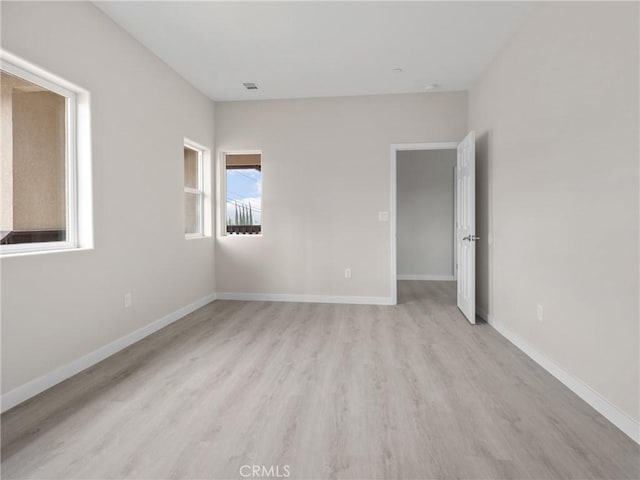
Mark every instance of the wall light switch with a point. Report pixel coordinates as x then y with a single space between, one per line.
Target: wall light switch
540 313
383 216
347 273
127 300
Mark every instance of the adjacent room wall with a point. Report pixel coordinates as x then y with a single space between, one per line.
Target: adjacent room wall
6 154
38 161
326 175
425 186
556 117
33 157
57 307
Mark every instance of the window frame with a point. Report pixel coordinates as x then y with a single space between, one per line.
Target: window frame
223 192
200 192
53 84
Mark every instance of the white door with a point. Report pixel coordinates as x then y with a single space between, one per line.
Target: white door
466 226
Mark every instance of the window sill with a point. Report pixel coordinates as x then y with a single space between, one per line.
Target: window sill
195 236
28 253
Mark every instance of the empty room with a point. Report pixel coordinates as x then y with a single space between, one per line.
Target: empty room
320 240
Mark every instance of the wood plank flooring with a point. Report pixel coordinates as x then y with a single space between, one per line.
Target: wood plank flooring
332 391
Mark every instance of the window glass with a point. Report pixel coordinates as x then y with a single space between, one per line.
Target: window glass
244 194
191 213
193 192
33 206
191 168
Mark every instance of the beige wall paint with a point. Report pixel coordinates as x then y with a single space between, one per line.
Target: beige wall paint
57 307
6 154
556 117
33 156
326 175
38 161
425 212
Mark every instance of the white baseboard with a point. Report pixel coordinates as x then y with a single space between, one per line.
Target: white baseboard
48 380
620 419
283 297
442 278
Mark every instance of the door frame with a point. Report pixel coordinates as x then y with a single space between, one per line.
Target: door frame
395 148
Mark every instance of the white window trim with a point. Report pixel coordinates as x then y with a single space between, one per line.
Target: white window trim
14 66
222 188
201 191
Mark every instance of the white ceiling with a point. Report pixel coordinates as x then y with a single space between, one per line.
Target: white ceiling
318 49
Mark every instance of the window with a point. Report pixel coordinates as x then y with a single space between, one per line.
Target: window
193 190
243 193
38 207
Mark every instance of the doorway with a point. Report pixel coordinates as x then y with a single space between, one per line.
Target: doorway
423 212
445 245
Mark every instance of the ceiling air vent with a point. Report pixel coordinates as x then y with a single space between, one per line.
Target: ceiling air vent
250 86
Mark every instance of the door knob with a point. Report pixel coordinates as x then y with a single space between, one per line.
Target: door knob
471 238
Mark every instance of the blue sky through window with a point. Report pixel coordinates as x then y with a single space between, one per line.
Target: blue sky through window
244 187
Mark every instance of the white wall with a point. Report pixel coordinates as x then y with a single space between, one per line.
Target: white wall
57 307
556 117
326 175
425 213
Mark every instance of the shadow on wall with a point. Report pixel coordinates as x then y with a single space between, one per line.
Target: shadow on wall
483 220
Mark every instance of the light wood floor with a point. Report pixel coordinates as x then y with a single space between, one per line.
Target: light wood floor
333 391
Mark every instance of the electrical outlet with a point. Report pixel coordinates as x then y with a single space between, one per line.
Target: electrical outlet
127 300
347 273
383 216
540 313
